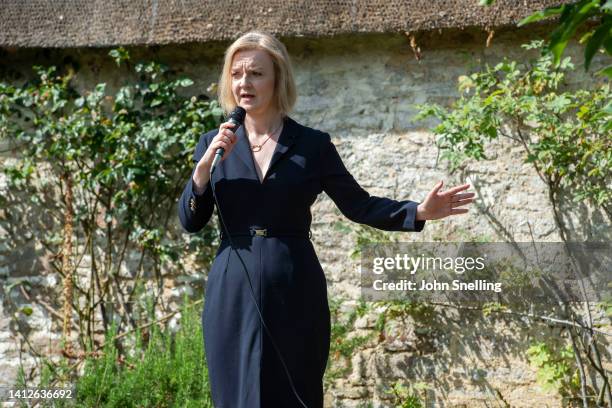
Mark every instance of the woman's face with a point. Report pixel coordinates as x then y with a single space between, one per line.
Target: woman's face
252 73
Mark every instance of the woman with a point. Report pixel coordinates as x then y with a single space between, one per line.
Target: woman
271 173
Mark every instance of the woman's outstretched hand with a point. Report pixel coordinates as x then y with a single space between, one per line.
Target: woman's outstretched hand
439 205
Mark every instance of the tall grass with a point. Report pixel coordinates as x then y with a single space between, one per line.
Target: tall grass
166 370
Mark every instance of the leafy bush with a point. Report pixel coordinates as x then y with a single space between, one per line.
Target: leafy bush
162 369
167 370
556 368
102 171
565 135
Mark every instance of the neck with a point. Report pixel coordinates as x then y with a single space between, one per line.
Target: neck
262 124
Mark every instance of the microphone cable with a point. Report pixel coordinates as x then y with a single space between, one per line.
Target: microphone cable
251 289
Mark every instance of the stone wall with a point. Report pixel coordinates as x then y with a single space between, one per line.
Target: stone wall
360 89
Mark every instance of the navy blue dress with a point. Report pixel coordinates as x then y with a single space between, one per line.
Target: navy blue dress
288 281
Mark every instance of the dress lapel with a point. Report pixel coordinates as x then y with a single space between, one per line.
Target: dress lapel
285 141
243 150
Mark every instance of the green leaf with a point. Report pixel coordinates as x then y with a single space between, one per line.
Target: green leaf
540 15
185 82
27 310
570 21
119 55
559 104
607 71
596 41
607 44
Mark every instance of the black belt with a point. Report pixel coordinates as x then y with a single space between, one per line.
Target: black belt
267 232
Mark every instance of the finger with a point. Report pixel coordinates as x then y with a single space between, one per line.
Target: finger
227 132
461 203
437 187
227 125
224 128
231 134
226 135
227 139
221 143
462 196
456 211
455 190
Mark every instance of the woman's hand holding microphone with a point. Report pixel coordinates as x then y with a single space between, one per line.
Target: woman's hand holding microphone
226 139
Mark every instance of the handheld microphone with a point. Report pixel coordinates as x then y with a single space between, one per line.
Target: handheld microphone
237 118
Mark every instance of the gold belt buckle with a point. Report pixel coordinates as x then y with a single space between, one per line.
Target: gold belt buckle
261 232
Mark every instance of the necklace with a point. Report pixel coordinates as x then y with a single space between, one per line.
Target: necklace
257 147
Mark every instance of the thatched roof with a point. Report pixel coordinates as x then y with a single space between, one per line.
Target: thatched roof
78 23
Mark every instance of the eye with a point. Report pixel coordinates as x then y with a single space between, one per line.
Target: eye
256 73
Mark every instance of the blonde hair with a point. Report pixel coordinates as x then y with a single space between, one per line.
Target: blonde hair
284 85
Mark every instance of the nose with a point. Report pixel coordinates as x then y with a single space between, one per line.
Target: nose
244 80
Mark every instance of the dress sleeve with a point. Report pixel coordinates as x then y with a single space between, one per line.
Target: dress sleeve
356 203
195 210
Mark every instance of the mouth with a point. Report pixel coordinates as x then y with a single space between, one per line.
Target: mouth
246 96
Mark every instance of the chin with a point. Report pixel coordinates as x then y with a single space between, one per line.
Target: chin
251 108
245 105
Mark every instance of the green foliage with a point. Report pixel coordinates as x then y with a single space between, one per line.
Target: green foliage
53 375
567 136
424 316
127 155
606 305
573 16
514 276
419 311
162 369
166 370
408 396
556 368
125 152
342 344
491 307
